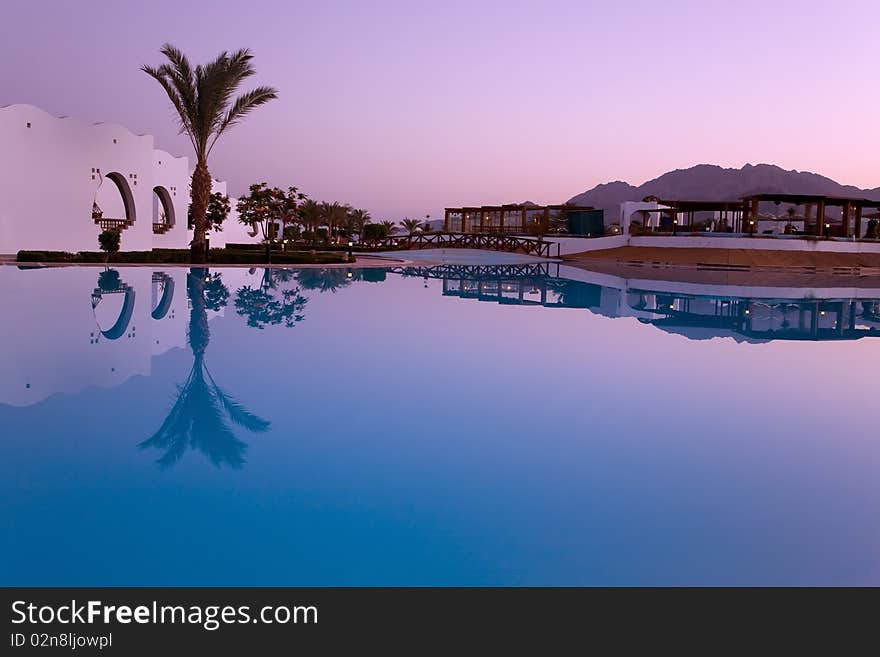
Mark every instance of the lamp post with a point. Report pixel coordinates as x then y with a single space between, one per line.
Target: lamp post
207 248
350 245
751 227
827 231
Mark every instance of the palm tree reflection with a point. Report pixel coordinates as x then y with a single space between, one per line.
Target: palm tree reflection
200 416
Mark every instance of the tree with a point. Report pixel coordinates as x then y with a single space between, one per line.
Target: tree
290 211
108 240
198 418
333 215
203 99
266 305
411 226
359 219
310 215
262 206
390 227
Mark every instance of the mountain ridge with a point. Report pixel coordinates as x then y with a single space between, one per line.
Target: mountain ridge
704 182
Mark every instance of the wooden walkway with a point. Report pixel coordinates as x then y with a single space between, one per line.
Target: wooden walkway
491 242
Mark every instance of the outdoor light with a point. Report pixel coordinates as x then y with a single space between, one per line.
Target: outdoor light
348 274
207 279
748 312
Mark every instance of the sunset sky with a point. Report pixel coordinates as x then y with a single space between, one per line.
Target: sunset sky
405 107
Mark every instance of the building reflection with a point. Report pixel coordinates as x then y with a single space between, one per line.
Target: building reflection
694 311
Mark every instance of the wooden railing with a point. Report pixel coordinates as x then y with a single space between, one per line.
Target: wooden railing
160 228
113 224
500 242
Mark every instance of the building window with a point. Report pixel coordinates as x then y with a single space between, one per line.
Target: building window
29 124
114 141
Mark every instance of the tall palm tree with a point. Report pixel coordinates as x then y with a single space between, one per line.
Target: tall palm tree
198 418
203 98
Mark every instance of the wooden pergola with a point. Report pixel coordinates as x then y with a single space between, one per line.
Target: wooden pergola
509 218
682 212
851 210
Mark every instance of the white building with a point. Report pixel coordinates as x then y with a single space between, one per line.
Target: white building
62 180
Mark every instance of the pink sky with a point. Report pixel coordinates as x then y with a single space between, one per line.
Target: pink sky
406 107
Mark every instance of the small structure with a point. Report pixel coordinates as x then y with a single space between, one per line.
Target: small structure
719 216
523 218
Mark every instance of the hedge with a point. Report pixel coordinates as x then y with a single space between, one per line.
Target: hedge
181 256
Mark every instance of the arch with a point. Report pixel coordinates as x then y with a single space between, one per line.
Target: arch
104 217
164 304
163 210
120 326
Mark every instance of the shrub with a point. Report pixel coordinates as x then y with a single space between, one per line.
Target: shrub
109 240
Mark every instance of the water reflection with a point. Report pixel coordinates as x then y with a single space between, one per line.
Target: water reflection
746 314
200 416
109 283
268 303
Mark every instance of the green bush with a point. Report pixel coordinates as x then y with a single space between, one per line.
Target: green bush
108 240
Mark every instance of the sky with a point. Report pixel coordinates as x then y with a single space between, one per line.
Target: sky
405 107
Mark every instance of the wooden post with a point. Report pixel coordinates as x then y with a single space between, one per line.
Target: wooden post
446 221
753 217
820 217
482 221
845 212
858 227
501 221
545 221
808 212
523 226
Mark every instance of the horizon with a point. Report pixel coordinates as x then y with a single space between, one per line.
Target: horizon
370 108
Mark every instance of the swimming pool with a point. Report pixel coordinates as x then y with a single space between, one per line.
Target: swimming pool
523 424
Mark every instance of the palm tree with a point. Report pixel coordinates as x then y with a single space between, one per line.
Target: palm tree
411 225
203 98
390 227
198 418
310 213
360 218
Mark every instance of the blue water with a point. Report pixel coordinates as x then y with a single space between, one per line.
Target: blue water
523 425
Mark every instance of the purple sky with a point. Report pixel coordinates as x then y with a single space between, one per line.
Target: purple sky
406 107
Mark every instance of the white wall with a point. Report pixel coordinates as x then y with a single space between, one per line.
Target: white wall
53 169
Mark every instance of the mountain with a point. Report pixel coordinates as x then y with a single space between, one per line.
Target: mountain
708 182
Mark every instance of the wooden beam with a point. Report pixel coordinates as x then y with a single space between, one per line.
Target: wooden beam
820 217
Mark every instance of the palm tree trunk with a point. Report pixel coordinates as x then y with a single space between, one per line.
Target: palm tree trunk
201 194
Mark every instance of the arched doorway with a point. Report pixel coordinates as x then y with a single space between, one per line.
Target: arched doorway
163 210
113 207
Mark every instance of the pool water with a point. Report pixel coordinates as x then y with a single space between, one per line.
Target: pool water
447 425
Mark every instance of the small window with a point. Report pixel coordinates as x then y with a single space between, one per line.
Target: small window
114 141
29 124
